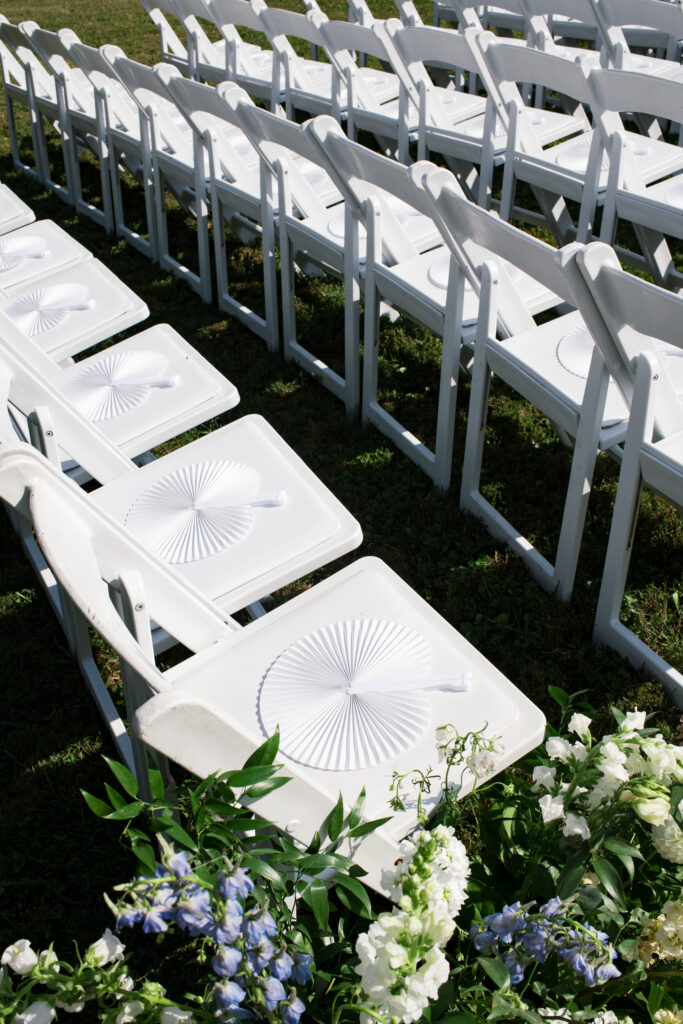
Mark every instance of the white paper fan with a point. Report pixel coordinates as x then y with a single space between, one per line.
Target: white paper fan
306 693
575 350
196 511
15 251
118 382
45 308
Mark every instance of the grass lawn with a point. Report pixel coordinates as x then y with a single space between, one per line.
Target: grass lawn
56 857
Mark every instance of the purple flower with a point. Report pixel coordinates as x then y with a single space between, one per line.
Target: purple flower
227 929
536 942
228 995
578 962
237 883
226 961
257 925
274 992
507 922
552 907
127 917
260 955
282 965
515 968
605 972
484 941
301 971
156 919
291 1010
194 911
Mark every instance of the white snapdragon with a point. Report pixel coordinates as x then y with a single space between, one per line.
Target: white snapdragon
552 807
174 1015
674 1016
20 957
38 1012
544 775
667 839
580 724
661 758
558 749
129 1011
106 950
662 936
633 721
576 825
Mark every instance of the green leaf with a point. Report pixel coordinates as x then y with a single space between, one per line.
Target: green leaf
115 798
676 797
609 876
127 812
178 833
250 776
145 854
267 786
356 812
335 819
264 870
314 844
315 896
96 805
266 753
125 778
654 999
623 849
496 970
589 898
367 827
570 877
319 862
560 696
358 890
156 784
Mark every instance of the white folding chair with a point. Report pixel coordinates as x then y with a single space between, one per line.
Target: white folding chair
177 165
365 613
45 104
408 266
173 50
555 366
647 24
127 135
640 187
14 212
556 26
16 89
645 355
81 115
253 70
240 195
306 84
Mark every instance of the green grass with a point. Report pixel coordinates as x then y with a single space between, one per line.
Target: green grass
56 857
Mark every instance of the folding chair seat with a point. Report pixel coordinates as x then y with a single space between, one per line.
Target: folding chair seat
555 366
172 49
236 194
417 277
45 102
81 116
646 191
127 139
14 212
188 712
72 309
643 350
32 252
253 70
176 165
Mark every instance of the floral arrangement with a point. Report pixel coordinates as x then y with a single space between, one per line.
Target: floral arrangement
552 892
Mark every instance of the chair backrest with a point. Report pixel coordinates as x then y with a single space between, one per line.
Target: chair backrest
228 14
121 107
343 40
540 14
12 69
280 26
509 65
19 45
152 99
475 235
171 44
637 315
613 16
277 139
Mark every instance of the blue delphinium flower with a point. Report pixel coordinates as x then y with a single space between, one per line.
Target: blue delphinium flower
485 940
281 965
301 971
229 926
156 919
273 991
178 863
260 954
552 907
228 994
194 911
128 916
227 961
510 920
237 883
514 966
291 1009
536 941
257 925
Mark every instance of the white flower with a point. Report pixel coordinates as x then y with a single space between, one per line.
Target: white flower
129 1011
580 724
674 1016
106 950
576 825
552 807
654 812
70 1007
39 1012
482 763
579 751
174 1015
20 957
667 840
558 749
544 776
633 721
661 757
